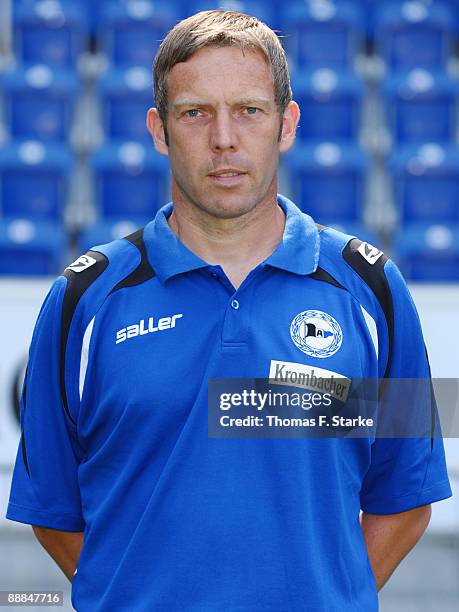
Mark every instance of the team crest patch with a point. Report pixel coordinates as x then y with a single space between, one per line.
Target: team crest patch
82 263
316 333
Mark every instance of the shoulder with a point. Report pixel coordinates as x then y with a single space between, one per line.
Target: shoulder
372 278
348 250
104 269
359 266
85 285
78 294
106 264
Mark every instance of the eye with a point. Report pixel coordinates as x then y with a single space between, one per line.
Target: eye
251 110
193 112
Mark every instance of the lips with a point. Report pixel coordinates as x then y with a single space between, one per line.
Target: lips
227 172
227 177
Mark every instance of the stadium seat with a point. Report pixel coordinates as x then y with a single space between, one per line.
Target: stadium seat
131 180
330 103
40 102
327 180
33 179
320 33
369 9
421 106
426 183
126 96
104 231
428 252
263 9
49 32
414 34
131 32
32 247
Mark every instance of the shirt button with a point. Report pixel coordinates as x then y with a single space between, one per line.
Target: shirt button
234 304
214 275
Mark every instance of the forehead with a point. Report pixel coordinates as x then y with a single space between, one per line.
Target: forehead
213 72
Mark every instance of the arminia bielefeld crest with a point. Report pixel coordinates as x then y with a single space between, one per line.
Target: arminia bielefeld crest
316 333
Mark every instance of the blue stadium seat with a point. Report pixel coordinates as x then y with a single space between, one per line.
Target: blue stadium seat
32 247
131 180
414 33
426 183
428 252
369 9
106 230
322 33
131 32
330 103
94 11
40 102
49 32
263 9
421 106
33 179
328 180
126 96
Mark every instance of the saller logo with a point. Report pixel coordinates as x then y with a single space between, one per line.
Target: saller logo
146 326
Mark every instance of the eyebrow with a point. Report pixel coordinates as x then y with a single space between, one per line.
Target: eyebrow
242 102
252 101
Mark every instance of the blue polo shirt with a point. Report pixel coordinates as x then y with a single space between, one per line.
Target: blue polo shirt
114 416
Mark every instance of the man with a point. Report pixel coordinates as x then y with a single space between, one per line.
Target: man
139 506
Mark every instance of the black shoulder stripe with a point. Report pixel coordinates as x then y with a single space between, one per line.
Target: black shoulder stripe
323 275
23 444
77 284
24 453
144 271
373 275
18 391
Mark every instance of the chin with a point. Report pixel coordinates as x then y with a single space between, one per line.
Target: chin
228 211
230 207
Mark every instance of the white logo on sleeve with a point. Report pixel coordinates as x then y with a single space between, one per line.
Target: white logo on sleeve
369 252
82 263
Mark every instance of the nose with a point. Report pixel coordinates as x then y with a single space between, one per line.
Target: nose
223 132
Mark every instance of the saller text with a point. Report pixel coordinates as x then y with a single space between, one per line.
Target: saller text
146 327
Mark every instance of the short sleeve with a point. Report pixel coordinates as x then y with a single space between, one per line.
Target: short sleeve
44 487
406 472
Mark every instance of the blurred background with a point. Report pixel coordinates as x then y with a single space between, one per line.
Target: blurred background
377 155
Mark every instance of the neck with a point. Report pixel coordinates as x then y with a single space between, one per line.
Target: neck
237 244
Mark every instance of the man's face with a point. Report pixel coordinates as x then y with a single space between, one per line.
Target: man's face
223 126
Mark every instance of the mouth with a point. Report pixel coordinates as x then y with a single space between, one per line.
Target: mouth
228 176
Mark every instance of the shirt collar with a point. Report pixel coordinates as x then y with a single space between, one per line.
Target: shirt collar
167 255
297 252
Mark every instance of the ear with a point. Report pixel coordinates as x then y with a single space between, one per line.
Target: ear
289 125
156 129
